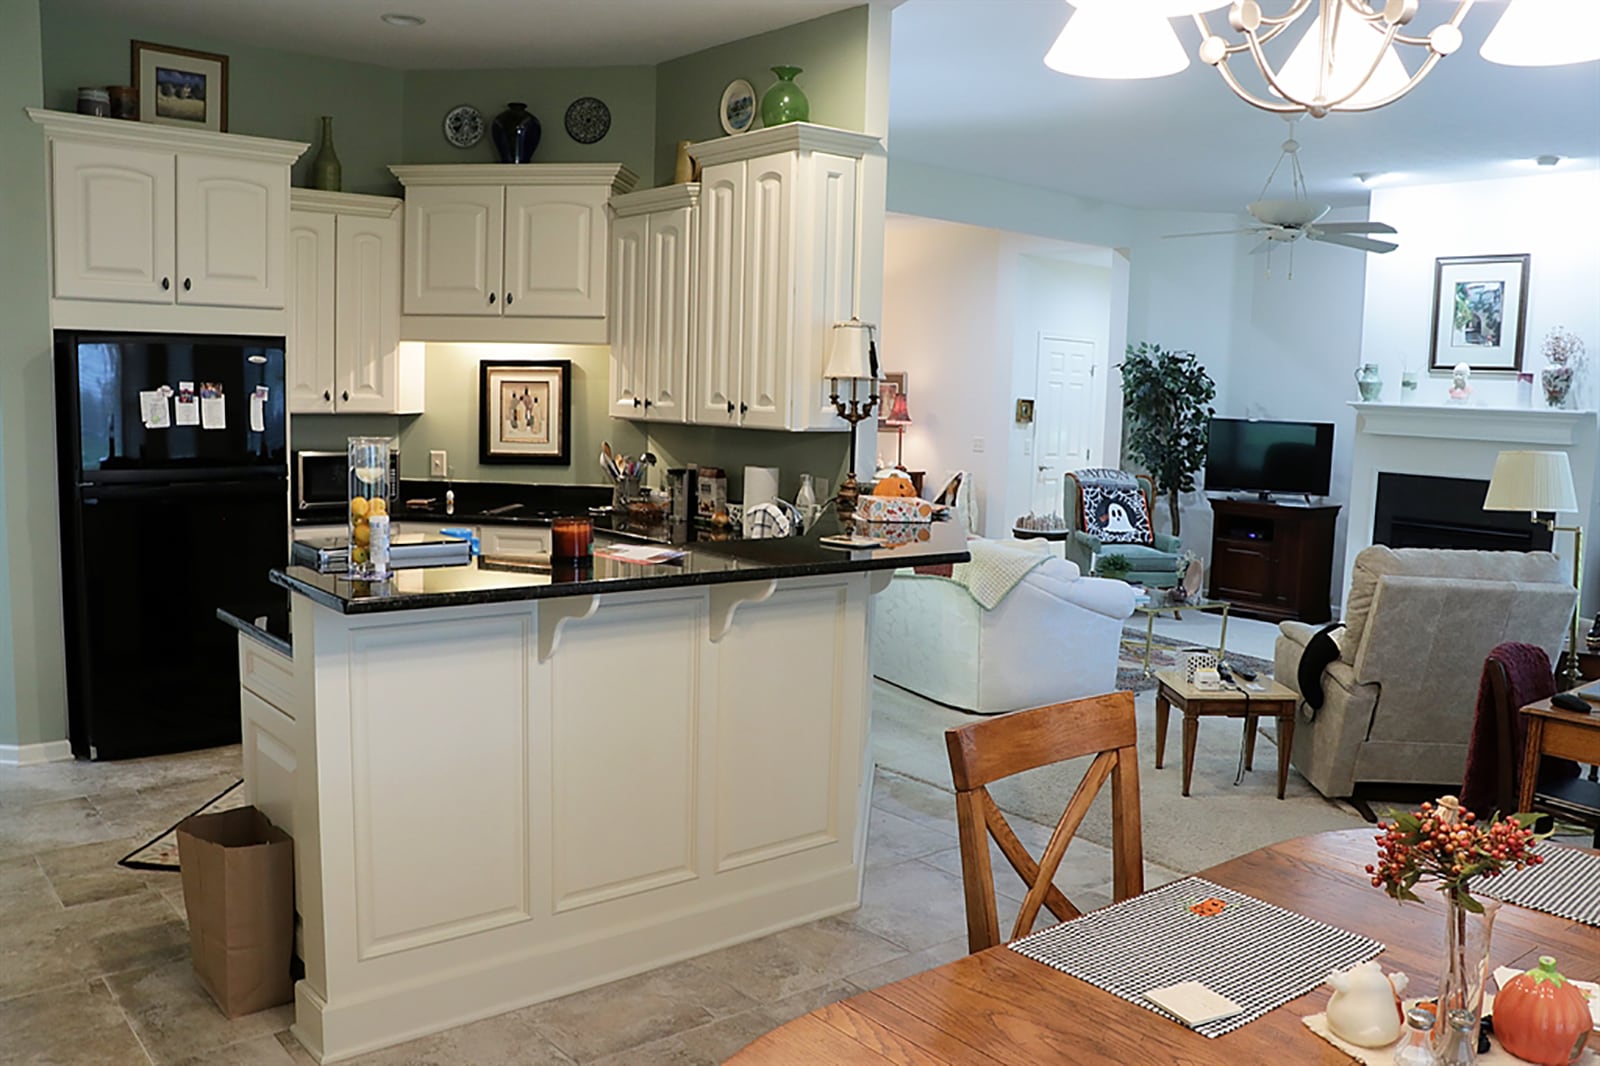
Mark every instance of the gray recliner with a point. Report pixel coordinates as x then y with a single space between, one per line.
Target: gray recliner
1419 623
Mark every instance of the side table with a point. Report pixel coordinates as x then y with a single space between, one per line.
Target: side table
1269 699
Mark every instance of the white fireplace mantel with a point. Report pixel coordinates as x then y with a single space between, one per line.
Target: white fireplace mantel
1462 441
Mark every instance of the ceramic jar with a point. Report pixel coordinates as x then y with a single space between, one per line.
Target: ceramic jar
516 133
1369 381
784 102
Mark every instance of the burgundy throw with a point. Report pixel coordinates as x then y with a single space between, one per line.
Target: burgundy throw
936 570
1530 680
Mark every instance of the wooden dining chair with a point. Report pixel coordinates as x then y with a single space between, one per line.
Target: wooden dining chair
996 748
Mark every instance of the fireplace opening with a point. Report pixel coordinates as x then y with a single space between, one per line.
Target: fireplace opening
1415 511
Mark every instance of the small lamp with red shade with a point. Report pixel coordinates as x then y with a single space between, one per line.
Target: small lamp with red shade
899 417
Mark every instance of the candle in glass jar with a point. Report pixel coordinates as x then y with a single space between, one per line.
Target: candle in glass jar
571 538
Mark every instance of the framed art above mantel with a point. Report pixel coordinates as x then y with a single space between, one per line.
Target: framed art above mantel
1480 304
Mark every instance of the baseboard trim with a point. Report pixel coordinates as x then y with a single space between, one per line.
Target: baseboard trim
34 754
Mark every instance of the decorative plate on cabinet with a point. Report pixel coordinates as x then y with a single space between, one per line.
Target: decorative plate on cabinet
738 110
588 120
463 126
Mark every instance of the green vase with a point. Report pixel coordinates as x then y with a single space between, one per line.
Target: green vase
784 102
325 170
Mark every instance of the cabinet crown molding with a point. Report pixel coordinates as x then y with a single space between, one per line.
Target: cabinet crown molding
790 137
666 198
344 203
63 125
617 176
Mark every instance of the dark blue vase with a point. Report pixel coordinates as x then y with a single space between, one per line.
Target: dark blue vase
516 134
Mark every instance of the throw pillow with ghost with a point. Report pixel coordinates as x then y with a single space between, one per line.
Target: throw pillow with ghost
1116 515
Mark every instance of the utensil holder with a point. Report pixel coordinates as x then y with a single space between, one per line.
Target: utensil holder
624 492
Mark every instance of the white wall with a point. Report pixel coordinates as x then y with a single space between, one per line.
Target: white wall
1554 217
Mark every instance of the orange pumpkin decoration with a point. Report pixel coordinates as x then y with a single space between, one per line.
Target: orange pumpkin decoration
1208 908
894 485
1542 1017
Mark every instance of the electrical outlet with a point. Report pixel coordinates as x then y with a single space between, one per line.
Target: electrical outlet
977 444
438 464
1027 447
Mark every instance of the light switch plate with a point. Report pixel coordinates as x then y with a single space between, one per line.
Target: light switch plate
977 444
438 464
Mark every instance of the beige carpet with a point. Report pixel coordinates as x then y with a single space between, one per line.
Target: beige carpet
1216 822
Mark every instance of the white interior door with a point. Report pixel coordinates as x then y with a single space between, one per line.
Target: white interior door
1065 426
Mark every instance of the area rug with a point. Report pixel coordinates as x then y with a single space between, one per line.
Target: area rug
1217 821
162 852
1167 652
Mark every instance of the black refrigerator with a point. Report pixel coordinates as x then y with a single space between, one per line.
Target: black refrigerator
174 501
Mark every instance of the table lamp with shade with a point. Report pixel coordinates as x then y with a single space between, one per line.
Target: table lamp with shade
853 357
1541 484
899 417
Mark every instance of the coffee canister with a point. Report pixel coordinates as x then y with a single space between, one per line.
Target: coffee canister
93 101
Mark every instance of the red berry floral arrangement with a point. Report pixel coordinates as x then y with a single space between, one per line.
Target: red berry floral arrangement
1446 843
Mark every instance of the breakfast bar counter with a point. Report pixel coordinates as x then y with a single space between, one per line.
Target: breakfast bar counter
504 786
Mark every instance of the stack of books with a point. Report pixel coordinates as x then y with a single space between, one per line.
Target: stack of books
331 555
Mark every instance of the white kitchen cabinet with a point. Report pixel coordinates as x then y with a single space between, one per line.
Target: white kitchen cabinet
344 350
508 253
515 540
779 240
655 237
171 218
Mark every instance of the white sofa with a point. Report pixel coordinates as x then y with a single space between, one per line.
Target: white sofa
1054 637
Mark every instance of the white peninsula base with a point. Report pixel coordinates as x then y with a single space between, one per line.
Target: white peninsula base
497 804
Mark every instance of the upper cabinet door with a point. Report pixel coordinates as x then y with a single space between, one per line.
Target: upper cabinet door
310 342
113 222
719 301
555 251
367 320
668 335
629 311
233 219
769 280
455 238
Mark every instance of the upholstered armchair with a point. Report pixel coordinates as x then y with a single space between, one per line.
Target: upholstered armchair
1399 700
1153 566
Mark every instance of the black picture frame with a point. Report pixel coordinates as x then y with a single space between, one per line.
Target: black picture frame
1450 343
553 376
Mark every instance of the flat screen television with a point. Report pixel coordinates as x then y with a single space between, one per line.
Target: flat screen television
1261 456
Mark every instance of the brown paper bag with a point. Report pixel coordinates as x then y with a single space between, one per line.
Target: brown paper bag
238 887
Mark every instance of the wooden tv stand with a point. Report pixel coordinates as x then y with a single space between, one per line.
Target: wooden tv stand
1273 561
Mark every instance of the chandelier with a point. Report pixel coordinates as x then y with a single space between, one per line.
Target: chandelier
1348 58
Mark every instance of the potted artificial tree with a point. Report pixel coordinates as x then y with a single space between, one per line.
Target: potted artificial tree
1166 409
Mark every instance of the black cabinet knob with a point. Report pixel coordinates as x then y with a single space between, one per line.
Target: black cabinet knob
647 405
327 395
730 407
508 299
166 283
491 297
345 395
743 408
186 285
636 401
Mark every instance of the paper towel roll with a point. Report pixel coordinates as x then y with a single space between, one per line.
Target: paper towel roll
760 485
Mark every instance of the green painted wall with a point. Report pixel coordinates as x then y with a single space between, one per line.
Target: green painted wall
270 93
832 50
32 665
822 455
628 91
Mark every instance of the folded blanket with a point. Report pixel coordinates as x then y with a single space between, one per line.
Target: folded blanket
995 570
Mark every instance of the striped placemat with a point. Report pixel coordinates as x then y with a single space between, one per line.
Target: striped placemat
1257 954
1566 884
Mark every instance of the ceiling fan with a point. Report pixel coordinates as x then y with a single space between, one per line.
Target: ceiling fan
1281 221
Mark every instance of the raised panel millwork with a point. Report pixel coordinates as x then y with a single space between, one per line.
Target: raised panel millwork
671 272
768 334
232 224
269 759
310 352
827 294
455 240
440 822
113 222
624 782
778 740
720 315
628 314
555 259
369 314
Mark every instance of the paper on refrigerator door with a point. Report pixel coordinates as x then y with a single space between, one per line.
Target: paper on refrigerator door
213 407
187 405
258 407
153 409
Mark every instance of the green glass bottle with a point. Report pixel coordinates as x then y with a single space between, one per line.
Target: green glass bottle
784 102
326 172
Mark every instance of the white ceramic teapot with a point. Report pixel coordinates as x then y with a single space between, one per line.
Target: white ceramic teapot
1365 1008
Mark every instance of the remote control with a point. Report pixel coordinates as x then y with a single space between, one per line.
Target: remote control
1568 702
1248 675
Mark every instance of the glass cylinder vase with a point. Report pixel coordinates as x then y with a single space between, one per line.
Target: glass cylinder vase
369 499
1466 966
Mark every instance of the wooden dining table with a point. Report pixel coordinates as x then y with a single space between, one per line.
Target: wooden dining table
1000 1008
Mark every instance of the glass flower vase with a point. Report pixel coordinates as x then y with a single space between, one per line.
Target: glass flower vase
1466 964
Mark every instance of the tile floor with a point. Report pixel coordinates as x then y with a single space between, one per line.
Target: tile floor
96 958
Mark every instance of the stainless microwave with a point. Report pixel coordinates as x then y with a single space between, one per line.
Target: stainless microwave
322 485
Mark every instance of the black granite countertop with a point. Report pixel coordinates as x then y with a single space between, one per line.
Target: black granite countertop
268 624
704 563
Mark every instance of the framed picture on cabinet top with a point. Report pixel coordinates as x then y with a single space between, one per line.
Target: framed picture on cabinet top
1479 307
525 412
181 87
891 384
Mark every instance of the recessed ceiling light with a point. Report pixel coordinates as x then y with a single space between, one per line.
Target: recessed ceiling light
395 19
1548 160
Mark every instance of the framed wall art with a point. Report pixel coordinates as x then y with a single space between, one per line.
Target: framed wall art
525 412
1479 307
890 385
181 87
